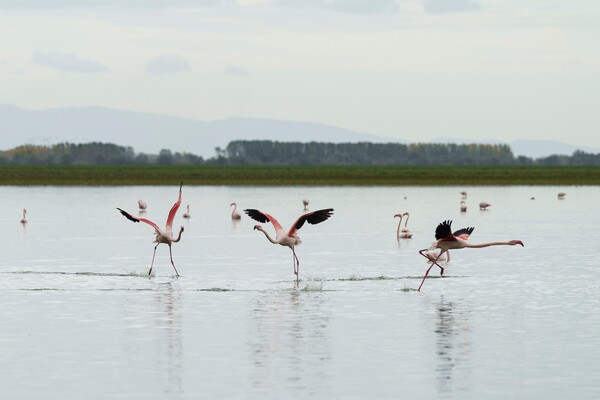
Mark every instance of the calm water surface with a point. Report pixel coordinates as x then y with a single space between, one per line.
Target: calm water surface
79 316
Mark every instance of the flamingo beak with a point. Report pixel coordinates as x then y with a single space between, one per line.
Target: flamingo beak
256 227
519 242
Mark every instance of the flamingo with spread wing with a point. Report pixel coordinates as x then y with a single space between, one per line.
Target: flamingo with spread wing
162 235
289 239
447 240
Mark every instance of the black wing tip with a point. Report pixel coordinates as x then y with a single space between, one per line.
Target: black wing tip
444 229
128 216
256 215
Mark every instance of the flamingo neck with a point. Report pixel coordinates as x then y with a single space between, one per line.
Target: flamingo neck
406 222
234 208
480 245
179 236
268 237
399 226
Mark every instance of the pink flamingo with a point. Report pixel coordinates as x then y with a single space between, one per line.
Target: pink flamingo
289 239
24 219
483 205
235 215
463 206
305 203
162 235
142 205
402 233
446 240
187 214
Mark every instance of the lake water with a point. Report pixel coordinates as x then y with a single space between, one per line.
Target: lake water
81 319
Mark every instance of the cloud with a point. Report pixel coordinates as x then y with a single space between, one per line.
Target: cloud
68 62
235 70
78 4
448 6
347 6
168 64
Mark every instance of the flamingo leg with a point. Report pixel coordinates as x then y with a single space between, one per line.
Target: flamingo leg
172 263
296 265
434 261
153 255
429 269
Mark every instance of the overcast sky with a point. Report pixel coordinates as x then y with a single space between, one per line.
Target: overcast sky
409 69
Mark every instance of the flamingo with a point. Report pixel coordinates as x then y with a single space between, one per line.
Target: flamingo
162 235
142 205
24 219
235 215
446 240
187 214
289 239
404 232
305 203
561 195
463 206
483 205
464 195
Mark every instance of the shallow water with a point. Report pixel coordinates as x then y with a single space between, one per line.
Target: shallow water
80 316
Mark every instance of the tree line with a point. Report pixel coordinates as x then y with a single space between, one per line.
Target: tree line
268 152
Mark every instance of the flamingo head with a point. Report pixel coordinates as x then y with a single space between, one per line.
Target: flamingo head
398 215
513 242
406 213
232 204
258 227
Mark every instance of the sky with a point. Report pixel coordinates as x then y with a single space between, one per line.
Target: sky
413 70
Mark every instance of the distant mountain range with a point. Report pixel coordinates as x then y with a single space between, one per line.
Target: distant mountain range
149 133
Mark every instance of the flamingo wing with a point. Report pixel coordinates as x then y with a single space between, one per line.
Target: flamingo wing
174 209
262 217
444 230
314 217
135 219
464 233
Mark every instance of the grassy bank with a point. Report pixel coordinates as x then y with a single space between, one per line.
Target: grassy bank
286 176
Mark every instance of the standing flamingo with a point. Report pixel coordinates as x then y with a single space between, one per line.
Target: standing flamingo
235 215
305 203
289 239
24 219
402 233
142 205
162 235
463 206
483 205
187 214
446 240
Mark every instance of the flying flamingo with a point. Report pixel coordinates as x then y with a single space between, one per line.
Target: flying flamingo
142 205
305 203
24 219
446 240
187 214
463 206
235 215
289 239
404 232
162 235
483 205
